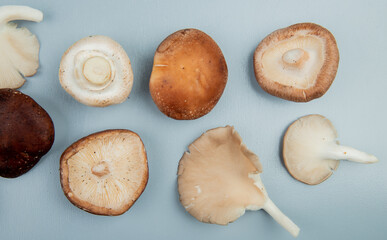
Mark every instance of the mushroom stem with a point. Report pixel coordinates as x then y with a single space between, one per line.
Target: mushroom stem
295 57
11 13
339 152
283 220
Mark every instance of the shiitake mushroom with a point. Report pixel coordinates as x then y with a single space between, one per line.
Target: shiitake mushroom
26 133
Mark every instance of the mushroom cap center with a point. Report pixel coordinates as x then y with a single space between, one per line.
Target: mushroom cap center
100 169
97 70
295 57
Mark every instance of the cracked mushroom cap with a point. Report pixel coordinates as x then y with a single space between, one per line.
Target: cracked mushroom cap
96 71
26 133
311 152
189 75
297 63
19 48
105 172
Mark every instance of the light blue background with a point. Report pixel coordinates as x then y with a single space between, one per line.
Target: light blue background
352 204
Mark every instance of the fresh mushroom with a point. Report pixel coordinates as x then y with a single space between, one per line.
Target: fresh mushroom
19 48
26 133
96 71
189 75
297 63
105 172
311 151
219 178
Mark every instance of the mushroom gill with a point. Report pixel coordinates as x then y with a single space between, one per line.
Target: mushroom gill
19 48
104 173
297 63
219 178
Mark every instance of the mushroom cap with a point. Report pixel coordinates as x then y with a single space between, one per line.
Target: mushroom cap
96 71
217 177
297 63
19 48
303 149
26 130
105 172
189 75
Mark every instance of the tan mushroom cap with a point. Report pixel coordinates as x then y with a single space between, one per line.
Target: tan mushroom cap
96 71
19 48
105 172
218 180
311 151
297 63
189 75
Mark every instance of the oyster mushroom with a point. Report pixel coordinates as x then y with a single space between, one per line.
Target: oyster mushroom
19 48
105 172
219 179
311 151
96 71
26 133
297 63
189 75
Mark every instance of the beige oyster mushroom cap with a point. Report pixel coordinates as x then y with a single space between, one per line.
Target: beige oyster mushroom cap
297 63
218 180
19 48
311 151
105 173
96 71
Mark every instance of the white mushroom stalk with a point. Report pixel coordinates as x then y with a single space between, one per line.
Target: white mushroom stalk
219 179
19 48
311 151
96 71
274 211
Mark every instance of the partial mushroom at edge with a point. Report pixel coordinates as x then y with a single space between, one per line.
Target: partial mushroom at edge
96 71
219 179
297 63
19 48
311 152
26 133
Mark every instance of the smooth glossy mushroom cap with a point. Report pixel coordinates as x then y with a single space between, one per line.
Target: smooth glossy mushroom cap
96 71
26 133
105 173
297 63
189 75
19 48
304 145
214 182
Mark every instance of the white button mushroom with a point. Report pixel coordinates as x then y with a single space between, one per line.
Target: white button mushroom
311 151
218 179
19 48
297 63
96 71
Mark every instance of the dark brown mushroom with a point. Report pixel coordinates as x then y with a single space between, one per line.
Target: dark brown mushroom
26 133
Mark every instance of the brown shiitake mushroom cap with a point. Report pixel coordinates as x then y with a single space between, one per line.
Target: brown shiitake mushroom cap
26 133
105 172
189 75
297 63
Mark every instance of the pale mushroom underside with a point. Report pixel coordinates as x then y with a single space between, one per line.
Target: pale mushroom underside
105 173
